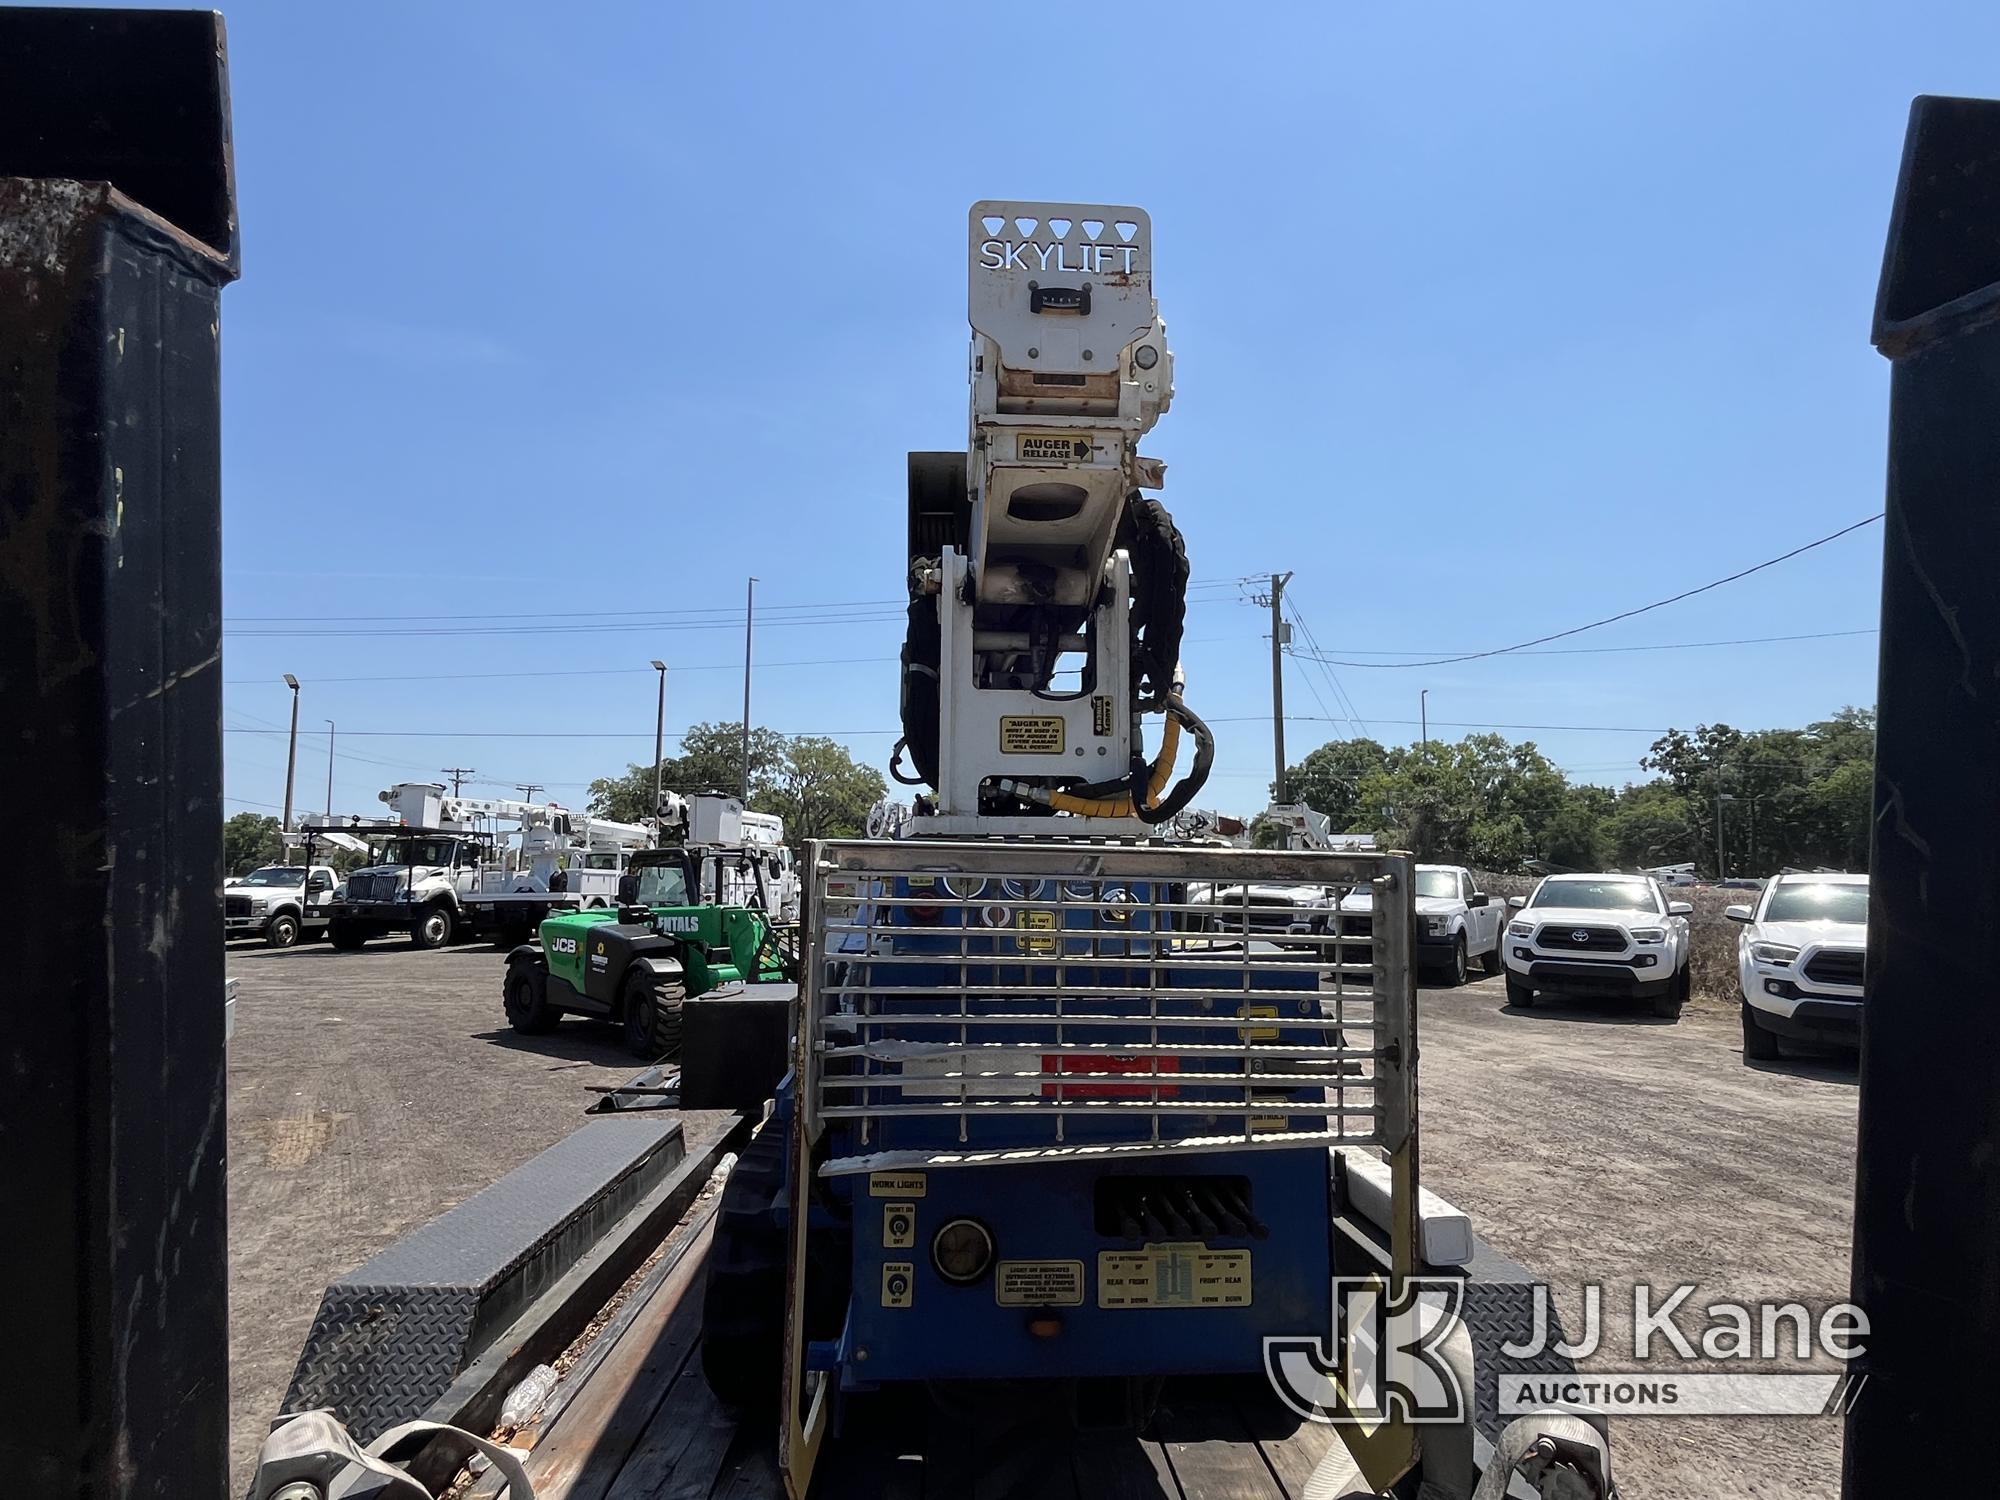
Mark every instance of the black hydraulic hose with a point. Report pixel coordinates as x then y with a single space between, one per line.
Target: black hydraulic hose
896 767
1197 777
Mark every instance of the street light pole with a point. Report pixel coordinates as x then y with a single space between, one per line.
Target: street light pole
749 614
329 771
1424 715
660 741
1721 864
291 756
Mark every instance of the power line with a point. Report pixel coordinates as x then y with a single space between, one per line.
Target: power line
1770 562
1751 640
821 661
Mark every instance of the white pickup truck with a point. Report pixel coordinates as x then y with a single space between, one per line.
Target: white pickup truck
1800 962
1607 936
1457 922
280 903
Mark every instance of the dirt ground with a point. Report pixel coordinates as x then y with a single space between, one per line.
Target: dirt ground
368 1093
371 1091
1592 1143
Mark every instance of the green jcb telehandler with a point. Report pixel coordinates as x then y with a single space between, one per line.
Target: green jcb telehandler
638 964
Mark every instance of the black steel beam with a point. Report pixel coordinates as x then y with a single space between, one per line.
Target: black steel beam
117 234
1927 1185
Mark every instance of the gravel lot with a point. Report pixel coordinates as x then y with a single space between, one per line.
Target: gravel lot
371 1091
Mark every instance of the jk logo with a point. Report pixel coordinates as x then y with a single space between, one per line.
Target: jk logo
1385 1358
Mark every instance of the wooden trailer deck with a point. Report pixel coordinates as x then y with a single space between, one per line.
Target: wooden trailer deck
633 1419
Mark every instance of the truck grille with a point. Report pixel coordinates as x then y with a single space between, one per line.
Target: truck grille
373 887
1240 910
235 906
1567 937
976 1003
1836 966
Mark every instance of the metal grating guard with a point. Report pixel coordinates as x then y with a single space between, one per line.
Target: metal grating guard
991 1002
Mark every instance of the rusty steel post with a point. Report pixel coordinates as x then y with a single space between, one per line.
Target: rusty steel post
1927 1181
117 234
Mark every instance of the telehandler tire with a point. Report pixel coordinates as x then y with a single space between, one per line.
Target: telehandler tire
526 1000
652 1014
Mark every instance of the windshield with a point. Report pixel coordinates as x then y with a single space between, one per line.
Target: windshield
274 875
662 885
1596 895
1817 901
1442 883
418 852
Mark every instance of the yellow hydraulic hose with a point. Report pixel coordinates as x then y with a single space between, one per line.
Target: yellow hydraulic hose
1121 807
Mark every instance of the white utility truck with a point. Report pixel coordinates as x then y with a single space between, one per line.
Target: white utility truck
282 904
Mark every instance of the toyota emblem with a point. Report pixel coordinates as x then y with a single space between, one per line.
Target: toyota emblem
1579 936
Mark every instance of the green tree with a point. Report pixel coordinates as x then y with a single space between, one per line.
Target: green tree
1651 825
1576 836
1329 780
819 789
251 840
711 760
1482 801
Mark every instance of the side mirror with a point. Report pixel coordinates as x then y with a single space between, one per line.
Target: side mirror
1679 909
1517 902
1737 913
628 890
1478 898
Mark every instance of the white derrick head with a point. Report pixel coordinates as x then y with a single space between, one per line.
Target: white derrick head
1016 249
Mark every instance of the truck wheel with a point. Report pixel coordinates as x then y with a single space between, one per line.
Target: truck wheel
526 998
742 1306
282 931
1668 1006
1519 994
434 927
1759 1045
652 1014
1457 972
1490 960
345 936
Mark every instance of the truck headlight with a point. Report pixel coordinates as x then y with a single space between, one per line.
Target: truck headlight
1649 934
1520 929
257 905
962 1251
1773 953
1437 926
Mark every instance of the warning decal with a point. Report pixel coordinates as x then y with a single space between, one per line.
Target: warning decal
1052 447
1037 928
1190 1275
1038 1283
1031 734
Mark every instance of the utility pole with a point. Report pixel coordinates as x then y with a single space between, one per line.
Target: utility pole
528 790
1424 715
749 614
329 771
458 775
1721 865
1280 636
660 740
291 756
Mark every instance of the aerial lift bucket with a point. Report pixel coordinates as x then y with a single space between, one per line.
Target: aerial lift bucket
117 235
1927 1187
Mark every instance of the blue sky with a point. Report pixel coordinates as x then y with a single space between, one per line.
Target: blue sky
1487 323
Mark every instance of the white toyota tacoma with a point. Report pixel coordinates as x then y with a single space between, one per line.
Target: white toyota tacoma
1800 962
1603 936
